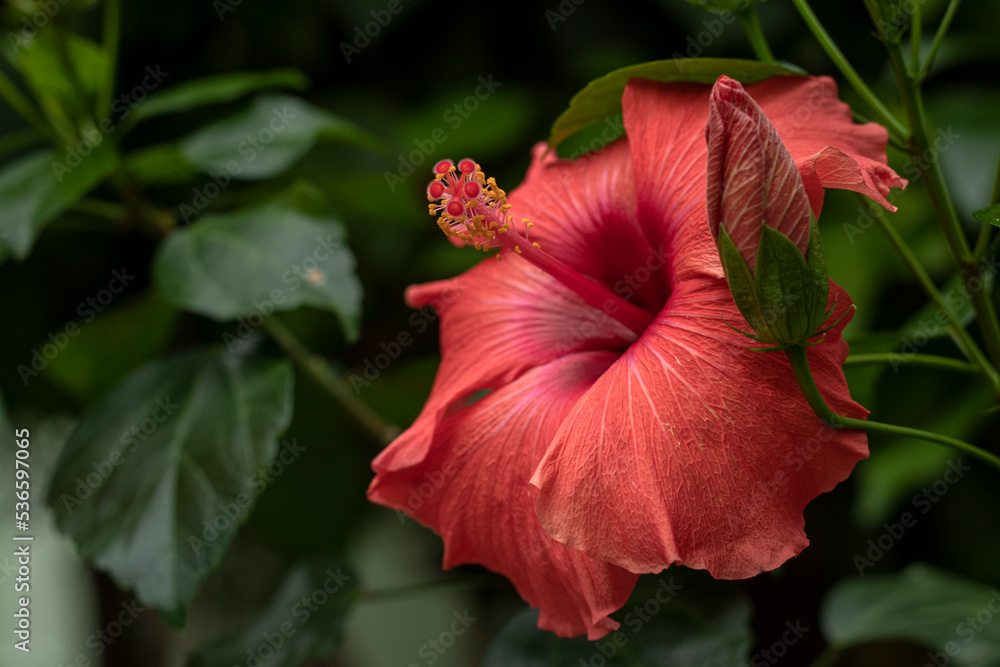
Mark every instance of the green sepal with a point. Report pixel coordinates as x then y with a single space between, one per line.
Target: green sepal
820 277
743 289
783 286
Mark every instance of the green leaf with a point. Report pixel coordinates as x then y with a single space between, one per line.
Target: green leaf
705 624
65 73
302 622
38 187
268 138
274 256
216 90
922 604
990 214
602 98
157 477
104 349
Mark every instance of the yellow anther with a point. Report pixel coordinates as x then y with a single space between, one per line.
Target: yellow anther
537 246
517 249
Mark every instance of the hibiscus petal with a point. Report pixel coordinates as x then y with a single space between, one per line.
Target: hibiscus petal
473 490
665 123
584 214
692 449
498 320
665 126
832 151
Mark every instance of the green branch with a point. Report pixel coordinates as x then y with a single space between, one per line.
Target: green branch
835 54
927 360
319 370
942 30
800 366
755 33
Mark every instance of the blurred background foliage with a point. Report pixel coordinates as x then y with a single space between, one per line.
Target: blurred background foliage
370 122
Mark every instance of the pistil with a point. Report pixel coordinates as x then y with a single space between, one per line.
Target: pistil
474 209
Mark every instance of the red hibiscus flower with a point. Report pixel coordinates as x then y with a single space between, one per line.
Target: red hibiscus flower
593 417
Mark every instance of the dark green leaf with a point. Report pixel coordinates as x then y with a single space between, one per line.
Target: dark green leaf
602 98
922 604
38 187
274 256
705 624
217 89
302 622
157 477
103 351
990 214
268 138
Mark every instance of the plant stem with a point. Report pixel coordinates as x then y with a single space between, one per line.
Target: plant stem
915 28
21 104
800 366
835 54
758 41
112 39
928 360
319 370
101 209
959 334
944 207
942 30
